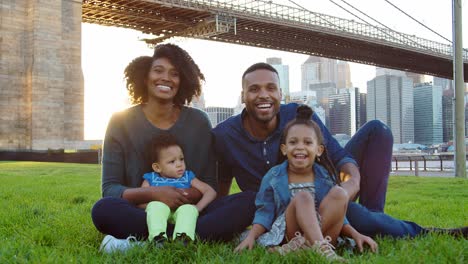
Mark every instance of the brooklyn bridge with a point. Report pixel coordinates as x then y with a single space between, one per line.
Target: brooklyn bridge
41 80
268 25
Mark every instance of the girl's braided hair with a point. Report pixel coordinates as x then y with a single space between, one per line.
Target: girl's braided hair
303 117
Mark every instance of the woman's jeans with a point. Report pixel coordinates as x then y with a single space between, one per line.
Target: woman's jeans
220 221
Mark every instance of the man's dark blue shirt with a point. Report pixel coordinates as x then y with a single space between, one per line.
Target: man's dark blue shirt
248 159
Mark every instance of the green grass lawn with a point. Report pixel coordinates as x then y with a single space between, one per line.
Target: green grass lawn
45 218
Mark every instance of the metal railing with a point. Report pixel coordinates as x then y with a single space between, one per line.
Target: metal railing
262 10
423 162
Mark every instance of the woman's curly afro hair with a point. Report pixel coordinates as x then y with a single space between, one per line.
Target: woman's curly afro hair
191 77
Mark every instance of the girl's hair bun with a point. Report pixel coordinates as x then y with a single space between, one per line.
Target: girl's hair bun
304 112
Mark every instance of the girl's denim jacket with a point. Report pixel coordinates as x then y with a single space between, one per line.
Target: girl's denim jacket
274 195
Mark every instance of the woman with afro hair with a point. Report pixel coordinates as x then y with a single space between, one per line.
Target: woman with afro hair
161 87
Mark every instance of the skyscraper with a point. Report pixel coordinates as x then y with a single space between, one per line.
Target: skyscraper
362 109
447 115
390 99
309 98
447 107
445 84
317 70
324 76
416 77
342 107
283 73
304 97
344 75
218 114
384 71
198 102
239 106
323 92
427 114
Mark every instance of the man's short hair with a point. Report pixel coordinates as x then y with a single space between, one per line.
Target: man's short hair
259 66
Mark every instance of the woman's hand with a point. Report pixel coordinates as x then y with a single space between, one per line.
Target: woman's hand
361 240
171 196
248 243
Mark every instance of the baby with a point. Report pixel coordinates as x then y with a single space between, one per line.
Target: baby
170 170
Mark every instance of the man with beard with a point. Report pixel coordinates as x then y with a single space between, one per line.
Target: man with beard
247 146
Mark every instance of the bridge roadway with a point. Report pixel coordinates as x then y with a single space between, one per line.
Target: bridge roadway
268 25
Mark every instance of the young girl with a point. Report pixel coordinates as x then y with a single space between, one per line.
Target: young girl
298 202
169 170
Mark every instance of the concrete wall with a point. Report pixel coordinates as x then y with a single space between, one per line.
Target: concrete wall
41 81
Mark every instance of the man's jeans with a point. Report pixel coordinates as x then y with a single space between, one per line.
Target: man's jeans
375 224
371 147
220 221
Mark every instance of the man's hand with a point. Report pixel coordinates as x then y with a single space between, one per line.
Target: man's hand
193 195
350 179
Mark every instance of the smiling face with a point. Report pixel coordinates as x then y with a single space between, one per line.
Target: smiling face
171 163
163 80
301 147
261 94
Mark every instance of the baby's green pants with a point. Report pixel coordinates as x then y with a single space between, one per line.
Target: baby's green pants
158 213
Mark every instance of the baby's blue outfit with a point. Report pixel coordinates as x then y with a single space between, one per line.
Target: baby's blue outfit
155 179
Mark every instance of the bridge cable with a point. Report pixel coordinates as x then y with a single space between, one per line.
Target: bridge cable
422 24
383 25
366 22
317 14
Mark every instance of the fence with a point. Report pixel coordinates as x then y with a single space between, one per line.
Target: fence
85 156
425 162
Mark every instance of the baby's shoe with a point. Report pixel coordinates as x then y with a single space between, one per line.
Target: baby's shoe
183 238
159 240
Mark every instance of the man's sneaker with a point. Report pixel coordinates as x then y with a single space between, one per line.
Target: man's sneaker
297 243
327 250
461 232
111 244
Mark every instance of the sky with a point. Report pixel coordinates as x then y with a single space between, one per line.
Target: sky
106 51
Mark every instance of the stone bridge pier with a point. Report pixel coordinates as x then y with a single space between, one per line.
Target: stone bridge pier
41 80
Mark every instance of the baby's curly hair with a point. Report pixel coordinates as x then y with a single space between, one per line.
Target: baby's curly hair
160 142
191 77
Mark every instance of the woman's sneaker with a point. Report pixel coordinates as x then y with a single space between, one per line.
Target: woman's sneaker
326 249
297 243
111 244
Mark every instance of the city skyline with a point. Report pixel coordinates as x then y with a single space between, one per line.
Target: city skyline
106 52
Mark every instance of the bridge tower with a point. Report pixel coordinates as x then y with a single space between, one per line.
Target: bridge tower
41 80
